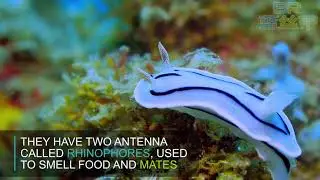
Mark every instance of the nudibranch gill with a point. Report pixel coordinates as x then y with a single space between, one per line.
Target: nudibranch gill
230 102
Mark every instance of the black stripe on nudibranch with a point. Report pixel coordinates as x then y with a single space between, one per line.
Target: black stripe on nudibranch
154 93
262 98
167 74
213 114
211 77
284 158
255 95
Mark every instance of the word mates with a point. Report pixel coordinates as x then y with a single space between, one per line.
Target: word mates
158 164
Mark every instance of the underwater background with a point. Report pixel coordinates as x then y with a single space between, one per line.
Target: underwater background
72 65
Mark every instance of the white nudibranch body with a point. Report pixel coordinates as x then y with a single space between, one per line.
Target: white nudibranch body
230 102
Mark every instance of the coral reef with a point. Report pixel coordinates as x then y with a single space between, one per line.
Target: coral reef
107 104
61 68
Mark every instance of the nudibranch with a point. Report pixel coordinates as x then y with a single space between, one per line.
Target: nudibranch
280 71
285 79
230 102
